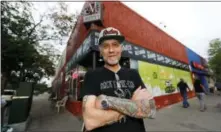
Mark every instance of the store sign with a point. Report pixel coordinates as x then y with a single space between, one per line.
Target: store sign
197 65
92 12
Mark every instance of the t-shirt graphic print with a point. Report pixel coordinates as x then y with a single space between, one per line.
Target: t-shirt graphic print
121 84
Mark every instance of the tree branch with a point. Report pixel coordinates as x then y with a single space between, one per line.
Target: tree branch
33 29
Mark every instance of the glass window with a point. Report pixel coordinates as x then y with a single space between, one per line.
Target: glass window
136 50
86 44
96 41
151 55
160 58
179 64
174 62
167 60
133 64
183 65
96 34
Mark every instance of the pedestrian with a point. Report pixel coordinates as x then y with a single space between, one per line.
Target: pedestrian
182 87
114 97
200 93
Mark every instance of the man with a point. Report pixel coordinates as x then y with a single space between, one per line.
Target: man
114 98
200 93
183 92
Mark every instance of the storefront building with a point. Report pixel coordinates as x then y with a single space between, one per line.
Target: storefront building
198 67
160 59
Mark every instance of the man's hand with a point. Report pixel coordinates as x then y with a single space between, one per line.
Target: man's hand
94 116
141 94
140 106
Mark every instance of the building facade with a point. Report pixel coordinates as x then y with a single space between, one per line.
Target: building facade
160 59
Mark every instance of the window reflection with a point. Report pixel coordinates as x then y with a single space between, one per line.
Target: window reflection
151 55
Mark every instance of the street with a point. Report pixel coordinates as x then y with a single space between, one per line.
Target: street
171 118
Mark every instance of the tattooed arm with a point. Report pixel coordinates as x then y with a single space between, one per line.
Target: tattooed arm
96 117
141 105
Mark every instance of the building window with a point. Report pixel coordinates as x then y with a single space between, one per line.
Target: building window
160 58
133 64
174 62
86 44
179 64
151 55
168 60
96 41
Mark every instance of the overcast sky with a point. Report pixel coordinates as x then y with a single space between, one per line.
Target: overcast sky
193 24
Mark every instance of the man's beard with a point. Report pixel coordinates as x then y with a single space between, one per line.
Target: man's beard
111 63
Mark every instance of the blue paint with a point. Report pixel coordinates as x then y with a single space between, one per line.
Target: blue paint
192 56
204 82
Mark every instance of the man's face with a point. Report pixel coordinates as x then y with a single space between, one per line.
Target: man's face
111 51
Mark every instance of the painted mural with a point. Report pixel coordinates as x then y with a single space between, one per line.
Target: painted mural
162 80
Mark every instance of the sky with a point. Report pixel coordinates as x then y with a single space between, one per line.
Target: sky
193 24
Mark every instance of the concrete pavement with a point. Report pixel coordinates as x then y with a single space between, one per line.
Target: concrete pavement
43 118
171 118
177 118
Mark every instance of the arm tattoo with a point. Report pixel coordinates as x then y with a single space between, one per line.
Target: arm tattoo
137 109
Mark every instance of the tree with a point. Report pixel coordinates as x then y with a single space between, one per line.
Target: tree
59 27
28 47
215 57
62 21
20 43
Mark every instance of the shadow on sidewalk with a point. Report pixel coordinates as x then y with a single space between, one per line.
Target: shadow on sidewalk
45 118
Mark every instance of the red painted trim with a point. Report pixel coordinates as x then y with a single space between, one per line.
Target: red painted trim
142 32
75 107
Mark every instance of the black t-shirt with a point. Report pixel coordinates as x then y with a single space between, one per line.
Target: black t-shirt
197 87
103 81
182 86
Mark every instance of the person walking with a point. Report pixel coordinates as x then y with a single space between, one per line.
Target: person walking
182 86
200 93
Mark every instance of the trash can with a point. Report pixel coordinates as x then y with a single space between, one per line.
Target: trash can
18 111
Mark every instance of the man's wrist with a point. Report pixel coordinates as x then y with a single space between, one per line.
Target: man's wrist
104 102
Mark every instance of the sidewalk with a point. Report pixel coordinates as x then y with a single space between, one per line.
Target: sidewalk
43 118
177 118
171 118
